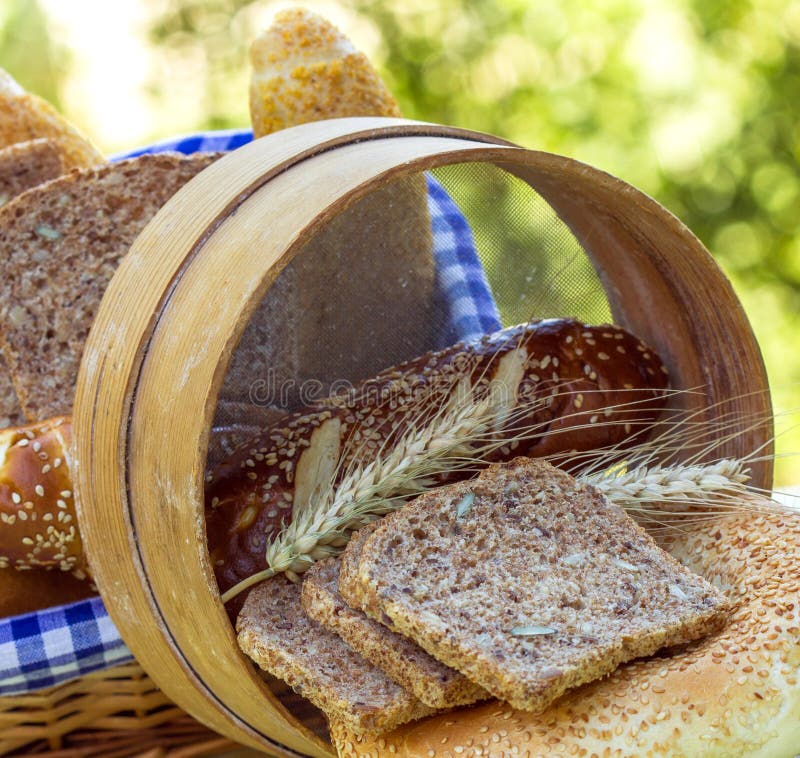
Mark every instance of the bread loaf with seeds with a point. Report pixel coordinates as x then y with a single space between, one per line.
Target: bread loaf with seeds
734 693
530 583
38 522
60 243
24 117
572 377
401 659
275 632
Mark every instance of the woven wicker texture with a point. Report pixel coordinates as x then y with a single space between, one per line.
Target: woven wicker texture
114 713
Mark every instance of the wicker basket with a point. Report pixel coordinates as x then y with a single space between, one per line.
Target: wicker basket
113 713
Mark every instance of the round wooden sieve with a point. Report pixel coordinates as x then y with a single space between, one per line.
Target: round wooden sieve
163 339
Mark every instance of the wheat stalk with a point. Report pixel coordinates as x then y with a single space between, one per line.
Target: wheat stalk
459 436
674 488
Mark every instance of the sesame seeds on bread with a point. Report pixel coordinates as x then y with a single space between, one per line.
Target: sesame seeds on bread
275 632
530 583
404 661
60 243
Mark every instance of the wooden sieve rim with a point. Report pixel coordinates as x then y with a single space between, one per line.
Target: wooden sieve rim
163 337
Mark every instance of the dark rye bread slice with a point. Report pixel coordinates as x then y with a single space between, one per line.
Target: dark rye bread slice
275 632
60 243
531 583
404 661
27 164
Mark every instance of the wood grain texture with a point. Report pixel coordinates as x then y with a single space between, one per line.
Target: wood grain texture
173 314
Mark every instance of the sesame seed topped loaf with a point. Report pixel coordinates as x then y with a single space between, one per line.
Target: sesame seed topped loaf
38 518
305 69
27 164
60 243
275 632
404 661
530 583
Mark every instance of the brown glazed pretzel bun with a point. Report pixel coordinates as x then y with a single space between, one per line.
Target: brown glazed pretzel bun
583 387
38 524
735 694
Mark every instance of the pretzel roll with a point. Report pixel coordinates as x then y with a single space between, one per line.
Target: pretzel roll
26 591
38 524
734 694
575 387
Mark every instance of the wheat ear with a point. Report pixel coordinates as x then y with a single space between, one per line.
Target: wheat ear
671 487
457 438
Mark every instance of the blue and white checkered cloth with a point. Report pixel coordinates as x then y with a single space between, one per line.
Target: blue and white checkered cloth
48 647
51 646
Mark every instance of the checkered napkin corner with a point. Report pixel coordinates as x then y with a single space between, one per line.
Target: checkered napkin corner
48 647
460 276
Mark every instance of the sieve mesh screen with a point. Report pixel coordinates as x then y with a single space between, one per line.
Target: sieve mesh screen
535 266
416 265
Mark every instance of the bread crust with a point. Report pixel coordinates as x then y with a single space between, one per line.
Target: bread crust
24 117
735 693
275 632
305 69
406 663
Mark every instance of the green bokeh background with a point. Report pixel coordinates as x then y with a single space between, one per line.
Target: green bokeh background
696 102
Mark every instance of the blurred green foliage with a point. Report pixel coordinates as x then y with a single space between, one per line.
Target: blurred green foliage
29 51
696 102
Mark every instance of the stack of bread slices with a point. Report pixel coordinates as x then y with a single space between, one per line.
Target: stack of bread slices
519 585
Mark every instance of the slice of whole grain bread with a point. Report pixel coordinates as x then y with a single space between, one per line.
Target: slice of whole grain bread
404 661
276 633
530 583
60 243
27 164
